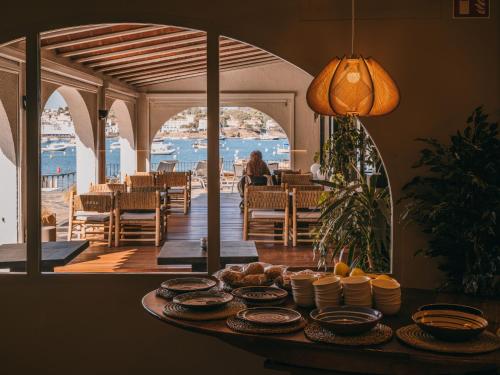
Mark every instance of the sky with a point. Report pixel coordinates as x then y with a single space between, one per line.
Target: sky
55 101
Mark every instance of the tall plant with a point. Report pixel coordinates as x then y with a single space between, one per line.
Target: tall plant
355 212
457 203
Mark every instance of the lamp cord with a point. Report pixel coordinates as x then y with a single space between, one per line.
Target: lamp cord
352 28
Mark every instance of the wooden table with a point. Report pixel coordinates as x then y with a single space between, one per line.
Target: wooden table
296 354
190 253
54 254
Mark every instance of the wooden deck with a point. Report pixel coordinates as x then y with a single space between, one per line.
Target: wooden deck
193 226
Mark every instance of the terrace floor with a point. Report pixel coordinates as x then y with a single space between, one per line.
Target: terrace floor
193 226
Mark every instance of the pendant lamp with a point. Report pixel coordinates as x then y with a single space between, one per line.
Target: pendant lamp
353 86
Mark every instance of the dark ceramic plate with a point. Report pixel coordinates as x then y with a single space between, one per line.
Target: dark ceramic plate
269 315
203 300
347 320
450 325
188 284
451 306
260 293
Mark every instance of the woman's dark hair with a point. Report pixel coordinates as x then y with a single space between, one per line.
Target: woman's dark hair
256 153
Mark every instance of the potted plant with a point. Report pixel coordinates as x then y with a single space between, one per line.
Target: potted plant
356 211
457 203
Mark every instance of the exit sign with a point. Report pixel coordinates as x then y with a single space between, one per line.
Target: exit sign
471 8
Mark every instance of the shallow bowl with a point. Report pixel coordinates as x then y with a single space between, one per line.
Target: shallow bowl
347 320
450 325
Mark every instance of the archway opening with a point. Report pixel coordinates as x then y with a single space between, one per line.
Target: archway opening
181 140
68 159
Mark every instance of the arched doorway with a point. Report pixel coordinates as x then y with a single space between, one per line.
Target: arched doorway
182 138
119 116
76 127
8 187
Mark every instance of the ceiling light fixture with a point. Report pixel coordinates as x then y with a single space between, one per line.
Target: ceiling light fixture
353 86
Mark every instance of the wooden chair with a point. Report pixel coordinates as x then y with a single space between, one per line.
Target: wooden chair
266 213
140 180
177 186
91 211
306 211
297 179
139 217
107 188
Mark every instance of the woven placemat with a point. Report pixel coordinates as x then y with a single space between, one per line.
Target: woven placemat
415 337
173 310
243 326
378 335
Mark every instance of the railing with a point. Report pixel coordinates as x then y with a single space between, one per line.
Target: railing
60 181
63 181
227 165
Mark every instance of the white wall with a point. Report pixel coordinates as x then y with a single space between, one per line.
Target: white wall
8 184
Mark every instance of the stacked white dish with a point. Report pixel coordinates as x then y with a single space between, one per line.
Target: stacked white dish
357 291
302 289
327 292
387 296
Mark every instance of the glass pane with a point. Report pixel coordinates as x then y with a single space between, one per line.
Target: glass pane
12 160
122 182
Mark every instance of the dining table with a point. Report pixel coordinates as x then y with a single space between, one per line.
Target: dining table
296 354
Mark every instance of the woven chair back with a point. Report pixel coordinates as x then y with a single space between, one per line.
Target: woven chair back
93 202
138 200
140 180
297 179
172 179
106 188
267 199
307 198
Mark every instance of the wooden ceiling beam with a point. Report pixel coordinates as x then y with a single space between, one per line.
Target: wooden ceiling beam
142 50
179 50
184 68
178 65
72 30
168 68
97 38
128 43
163 59
191 71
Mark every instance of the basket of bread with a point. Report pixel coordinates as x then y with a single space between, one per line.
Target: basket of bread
251 274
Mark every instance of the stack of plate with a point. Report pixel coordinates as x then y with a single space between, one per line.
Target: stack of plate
357 291
327 292
188 284
269 316
387 296
302 289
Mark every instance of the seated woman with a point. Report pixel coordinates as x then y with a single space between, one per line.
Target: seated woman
256 173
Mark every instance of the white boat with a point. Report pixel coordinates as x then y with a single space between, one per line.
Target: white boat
114 145
198 145
285 149
158 148
56 147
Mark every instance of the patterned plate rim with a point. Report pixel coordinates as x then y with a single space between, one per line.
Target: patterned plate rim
243 315
179 299
280 293
209 284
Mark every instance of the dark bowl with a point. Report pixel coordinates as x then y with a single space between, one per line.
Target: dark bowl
451 306
347 320
450 325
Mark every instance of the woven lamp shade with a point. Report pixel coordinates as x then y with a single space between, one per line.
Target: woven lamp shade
353 86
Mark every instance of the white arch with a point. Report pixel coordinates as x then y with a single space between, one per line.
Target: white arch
85 146
128 155
8 187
